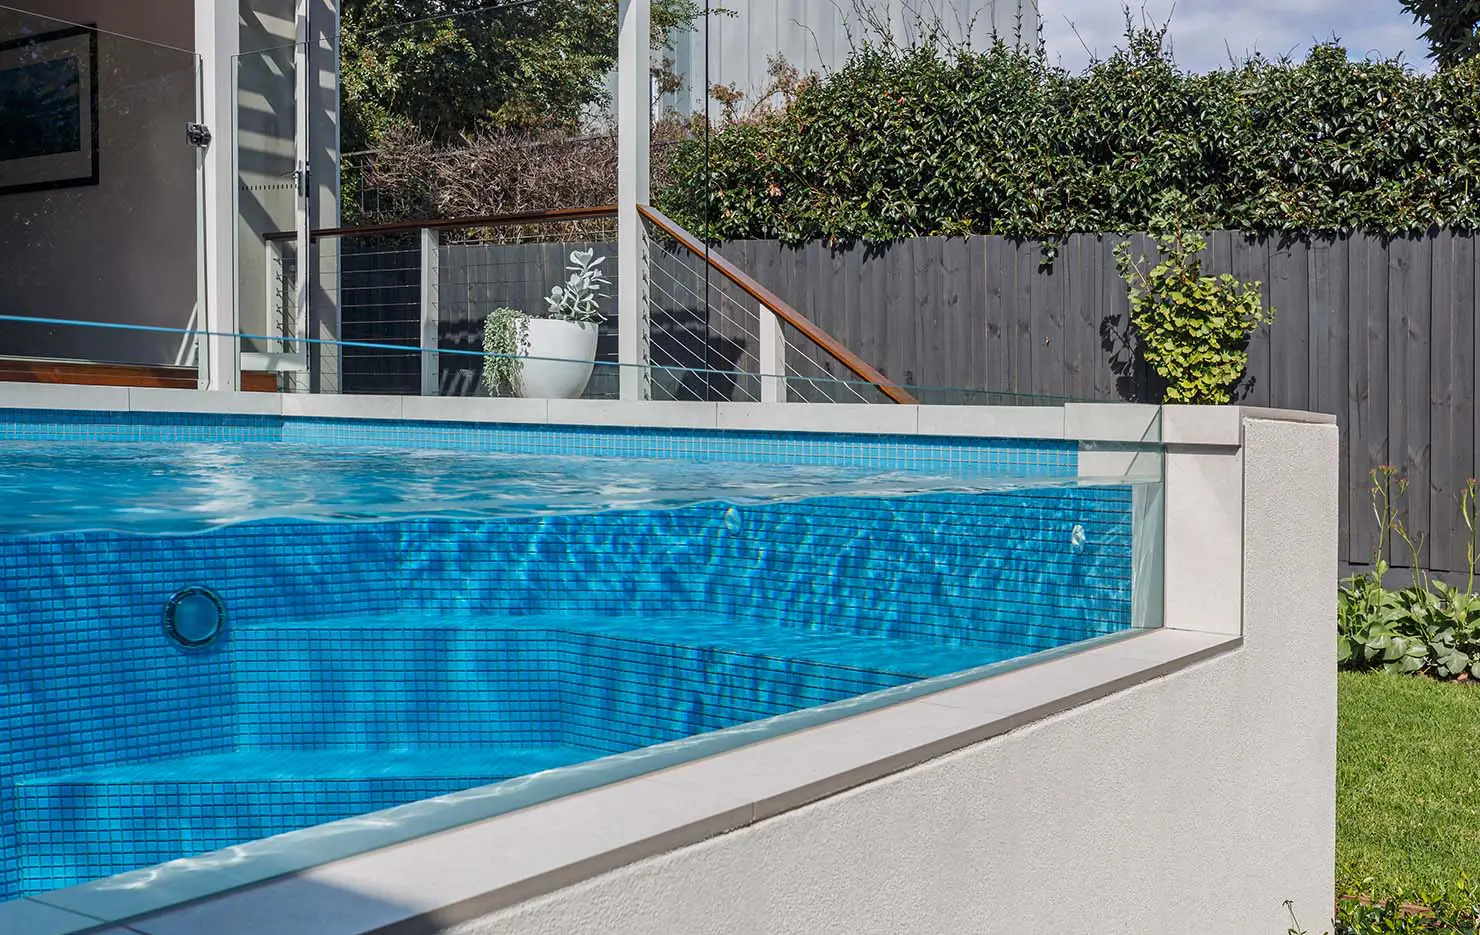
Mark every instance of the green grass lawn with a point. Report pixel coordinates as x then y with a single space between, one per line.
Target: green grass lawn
1407 783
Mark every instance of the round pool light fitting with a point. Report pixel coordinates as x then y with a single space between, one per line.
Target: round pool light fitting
194 617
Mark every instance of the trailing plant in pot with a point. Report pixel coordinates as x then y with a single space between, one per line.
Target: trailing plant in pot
549 356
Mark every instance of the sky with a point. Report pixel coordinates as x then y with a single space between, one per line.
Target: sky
1200 28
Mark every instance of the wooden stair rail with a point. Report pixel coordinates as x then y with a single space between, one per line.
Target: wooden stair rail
768 299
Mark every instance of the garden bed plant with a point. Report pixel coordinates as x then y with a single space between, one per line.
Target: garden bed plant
1426 627
1455 911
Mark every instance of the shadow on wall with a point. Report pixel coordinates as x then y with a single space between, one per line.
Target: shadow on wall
1135 381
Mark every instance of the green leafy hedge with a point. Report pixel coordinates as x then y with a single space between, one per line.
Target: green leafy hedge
930 140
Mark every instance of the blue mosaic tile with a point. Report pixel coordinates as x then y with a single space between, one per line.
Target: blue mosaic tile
452 652
924 454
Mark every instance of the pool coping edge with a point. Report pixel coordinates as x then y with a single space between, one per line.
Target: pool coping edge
1125 423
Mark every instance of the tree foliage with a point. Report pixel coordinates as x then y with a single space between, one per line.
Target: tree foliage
928 140
450 69
1451 28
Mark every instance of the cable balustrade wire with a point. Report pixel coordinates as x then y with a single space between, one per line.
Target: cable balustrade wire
713 332
801 387
668 374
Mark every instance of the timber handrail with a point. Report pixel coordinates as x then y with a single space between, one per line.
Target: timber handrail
833 348
768 299
559 215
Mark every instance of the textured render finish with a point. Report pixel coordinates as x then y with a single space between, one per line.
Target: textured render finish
1197 802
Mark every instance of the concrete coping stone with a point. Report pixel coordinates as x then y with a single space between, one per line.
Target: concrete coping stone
1113 423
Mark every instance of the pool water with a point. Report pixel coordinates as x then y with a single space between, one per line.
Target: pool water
403 624
170 488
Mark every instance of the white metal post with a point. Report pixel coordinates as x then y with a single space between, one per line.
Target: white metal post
301 153
430 313
216 40
772 358
634 133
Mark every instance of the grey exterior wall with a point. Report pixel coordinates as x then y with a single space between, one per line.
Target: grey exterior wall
816 36
1199 802
123 250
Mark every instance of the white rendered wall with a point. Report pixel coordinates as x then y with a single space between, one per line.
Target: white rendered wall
1198 802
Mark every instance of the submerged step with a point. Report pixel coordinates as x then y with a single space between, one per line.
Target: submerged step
493 762
84 824
332 718
903 655
613 684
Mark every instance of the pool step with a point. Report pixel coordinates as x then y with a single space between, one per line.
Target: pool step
85 824
906 656
613 684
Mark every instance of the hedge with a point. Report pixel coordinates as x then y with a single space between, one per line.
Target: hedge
932 140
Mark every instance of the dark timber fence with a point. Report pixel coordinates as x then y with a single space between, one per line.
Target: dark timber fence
1380 333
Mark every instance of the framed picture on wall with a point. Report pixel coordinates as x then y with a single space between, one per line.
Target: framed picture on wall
49 110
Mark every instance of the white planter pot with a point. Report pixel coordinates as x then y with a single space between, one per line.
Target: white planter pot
559 358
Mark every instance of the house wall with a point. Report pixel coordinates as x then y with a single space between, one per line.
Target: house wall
1198 802
817 36
267 198
123 250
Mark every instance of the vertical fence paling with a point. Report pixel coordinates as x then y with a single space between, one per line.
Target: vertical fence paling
1380 333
